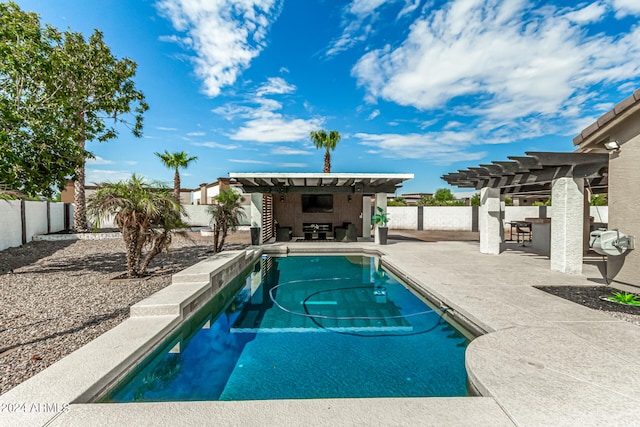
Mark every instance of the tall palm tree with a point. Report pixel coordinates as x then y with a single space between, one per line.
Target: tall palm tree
226 215
145 213
176 161
328 141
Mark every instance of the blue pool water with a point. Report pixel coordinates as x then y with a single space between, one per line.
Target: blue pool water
306 327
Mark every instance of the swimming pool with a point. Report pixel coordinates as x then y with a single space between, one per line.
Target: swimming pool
306 327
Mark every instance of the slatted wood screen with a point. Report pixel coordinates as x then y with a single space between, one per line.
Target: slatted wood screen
268 230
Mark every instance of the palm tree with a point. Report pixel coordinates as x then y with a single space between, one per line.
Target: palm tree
145 214
176 161
322 139
226 215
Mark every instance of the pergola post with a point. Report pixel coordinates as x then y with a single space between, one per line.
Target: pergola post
567 225
381 202
490 221
256 213
366 216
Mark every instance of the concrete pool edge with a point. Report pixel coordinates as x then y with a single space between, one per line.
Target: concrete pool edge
86 373
545 361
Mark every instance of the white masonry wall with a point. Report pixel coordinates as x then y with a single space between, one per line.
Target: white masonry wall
10 224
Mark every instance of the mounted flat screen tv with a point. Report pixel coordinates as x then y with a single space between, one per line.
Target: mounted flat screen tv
318 203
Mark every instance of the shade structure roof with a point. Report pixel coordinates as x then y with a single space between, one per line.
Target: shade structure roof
306 183
534 173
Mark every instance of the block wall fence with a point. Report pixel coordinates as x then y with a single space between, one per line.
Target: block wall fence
21 220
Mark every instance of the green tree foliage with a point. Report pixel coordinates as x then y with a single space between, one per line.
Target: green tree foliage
58 91
475 200
327 140
599 200
145 214
442 197
176 161
508 201
38 152
226 215
397 201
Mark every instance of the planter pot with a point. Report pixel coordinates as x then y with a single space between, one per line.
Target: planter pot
382 235
255 236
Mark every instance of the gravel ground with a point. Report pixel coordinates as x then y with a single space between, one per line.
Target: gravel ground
55 297
589 296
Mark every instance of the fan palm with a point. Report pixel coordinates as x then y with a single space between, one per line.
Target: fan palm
145 215
328 141
226 215
176 161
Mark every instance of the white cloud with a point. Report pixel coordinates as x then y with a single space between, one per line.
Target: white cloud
276 86
225 35
95 176
442 148
410 6
162 128
196 134
286 151
263 123
357 24
508 60
212 144
131 162
273 127
626 7
375 113
99 161
293 165
249 161
591 13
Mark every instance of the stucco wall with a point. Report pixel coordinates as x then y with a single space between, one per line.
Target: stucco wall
453 218
402 217
57 216
10 224
36 218
624 193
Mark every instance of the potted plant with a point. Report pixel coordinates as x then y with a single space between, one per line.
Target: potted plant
380 220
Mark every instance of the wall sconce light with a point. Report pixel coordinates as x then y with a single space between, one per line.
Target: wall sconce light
349 198
281 198
612 145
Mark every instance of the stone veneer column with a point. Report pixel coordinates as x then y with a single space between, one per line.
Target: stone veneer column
256 212
490 221
381 202
567 219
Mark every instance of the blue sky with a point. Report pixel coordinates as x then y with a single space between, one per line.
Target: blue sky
414 86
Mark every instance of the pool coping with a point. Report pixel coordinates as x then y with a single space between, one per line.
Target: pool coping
509 365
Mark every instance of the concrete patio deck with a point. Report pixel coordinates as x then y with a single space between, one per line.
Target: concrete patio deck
544 360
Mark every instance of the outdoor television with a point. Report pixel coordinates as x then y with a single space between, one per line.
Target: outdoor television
317 203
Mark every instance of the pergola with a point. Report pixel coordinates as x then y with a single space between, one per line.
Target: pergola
263 186
534 173
561 175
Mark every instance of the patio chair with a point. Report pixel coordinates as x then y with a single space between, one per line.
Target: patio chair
283 234
523 230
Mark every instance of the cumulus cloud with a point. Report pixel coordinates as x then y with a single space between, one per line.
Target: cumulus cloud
507 59
224 35
96 176
211 144
275 86
97 160
626 7
442 148
287 151
375 113
263 121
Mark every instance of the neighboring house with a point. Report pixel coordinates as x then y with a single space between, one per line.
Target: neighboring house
618 132
66 195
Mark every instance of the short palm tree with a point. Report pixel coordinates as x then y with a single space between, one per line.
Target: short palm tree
145 213
226 215
176 161
328 141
